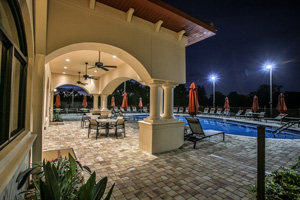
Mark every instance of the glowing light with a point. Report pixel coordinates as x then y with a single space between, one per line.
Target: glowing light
96 71
68 60
55 90
65 67
114 56
269 66
64 72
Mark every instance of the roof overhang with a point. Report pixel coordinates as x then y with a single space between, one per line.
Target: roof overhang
172 18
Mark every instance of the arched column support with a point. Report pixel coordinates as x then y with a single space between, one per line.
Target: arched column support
95 102
156 134
154 100
168 100
104 102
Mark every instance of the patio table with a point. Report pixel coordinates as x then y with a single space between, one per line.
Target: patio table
107 122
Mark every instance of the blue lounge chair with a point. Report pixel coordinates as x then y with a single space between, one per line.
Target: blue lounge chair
212 111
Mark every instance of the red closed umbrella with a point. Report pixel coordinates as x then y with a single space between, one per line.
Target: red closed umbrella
193 100
281 107
141 102
226 104
255 106
57 101
112 104
84 103
125 101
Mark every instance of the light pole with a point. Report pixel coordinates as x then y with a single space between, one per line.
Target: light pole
213 78
270 67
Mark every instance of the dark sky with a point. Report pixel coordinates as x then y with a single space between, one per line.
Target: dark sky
249 34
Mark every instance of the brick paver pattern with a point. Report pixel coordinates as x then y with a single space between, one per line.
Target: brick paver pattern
214 170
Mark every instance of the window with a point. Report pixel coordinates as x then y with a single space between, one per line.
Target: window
13 71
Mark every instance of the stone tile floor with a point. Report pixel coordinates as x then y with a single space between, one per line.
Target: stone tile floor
214 170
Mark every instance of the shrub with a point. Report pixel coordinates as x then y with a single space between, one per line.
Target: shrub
62 179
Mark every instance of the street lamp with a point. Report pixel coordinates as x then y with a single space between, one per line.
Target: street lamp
270 67
213 78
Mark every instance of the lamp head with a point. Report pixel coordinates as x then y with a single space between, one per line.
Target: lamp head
269 66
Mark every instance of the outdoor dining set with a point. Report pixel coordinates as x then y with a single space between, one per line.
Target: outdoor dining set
103 122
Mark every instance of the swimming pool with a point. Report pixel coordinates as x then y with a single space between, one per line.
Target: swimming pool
236 128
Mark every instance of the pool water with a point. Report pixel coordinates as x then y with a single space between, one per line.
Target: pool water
237 128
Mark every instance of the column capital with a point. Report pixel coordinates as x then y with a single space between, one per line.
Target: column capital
154 82
169 84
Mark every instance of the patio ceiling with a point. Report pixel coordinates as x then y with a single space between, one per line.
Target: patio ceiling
173 18
77 60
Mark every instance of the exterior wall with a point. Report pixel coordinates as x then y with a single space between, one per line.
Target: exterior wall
160 54
15 157
11 191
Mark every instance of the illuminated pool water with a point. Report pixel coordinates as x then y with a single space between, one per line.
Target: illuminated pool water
237 128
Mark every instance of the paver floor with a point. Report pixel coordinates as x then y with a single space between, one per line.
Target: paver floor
214 170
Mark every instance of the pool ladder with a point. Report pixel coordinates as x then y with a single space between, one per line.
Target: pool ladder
282 128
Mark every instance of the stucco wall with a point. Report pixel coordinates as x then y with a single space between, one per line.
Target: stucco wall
11 191
72 22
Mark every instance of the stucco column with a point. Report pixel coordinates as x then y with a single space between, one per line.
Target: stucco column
161 101
104 102
168 100
154 101
51 106
95 102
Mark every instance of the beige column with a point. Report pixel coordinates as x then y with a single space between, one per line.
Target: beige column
154 101
168 100
51 106
104 102
38 107
95 102
161 101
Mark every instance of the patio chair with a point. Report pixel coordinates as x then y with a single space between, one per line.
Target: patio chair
95 126
205 111
122 109
219 111
226 112
120 113
134 109
248 114
238 114
84 119
119 125
128 109
116 108
186 110
180 109
145 109
212 111
175 109
278 118
197 133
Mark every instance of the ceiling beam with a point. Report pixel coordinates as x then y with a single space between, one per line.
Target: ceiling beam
129 14
92 4
180 34
157 25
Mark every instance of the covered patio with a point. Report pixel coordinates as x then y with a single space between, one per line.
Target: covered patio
214 170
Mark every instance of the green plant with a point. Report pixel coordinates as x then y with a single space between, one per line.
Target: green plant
57 118
62 179
282 184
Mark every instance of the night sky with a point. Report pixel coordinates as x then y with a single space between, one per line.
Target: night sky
249 35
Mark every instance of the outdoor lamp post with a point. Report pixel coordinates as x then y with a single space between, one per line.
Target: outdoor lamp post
270 67
213 78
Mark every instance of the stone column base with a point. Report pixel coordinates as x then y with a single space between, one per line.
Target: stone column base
94 111
105 112
161 137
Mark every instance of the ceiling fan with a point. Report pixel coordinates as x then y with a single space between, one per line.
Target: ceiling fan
101 65
79 82
86 76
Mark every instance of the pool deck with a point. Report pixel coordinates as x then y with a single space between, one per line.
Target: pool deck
214 170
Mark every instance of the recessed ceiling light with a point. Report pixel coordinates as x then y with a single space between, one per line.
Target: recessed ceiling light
96 71
114 56
68 60
65 67
64 72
